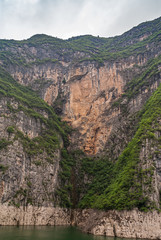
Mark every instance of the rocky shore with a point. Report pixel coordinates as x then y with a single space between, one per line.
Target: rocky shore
124 224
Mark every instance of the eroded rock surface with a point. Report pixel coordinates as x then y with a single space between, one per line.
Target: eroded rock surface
31 215
128 224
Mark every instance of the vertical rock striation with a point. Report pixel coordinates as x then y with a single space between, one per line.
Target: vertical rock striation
100 87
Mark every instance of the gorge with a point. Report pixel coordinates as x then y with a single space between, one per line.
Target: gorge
80 132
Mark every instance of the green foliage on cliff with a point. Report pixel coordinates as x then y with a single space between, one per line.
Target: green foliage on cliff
47 142
99 183
64 191
52 133
10 129
31 104
125 179
4 143
115 185
98 49
139 84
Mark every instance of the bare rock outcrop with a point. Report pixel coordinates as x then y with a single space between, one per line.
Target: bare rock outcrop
127 224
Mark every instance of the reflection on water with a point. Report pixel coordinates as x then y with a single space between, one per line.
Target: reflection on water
46 233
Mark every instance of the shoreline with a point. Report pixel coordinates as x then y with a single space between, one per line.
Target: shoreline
112 223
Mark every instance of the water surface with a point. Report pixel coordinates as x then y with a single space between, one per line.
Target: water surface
46 233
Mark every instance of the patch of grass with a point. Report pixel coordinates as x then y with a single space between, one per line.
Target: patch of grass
10 129
4 143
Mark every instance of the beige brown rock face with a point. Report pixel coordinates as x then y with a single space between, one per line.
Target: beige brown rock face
127 224
33 216
88 92
85 93
91 92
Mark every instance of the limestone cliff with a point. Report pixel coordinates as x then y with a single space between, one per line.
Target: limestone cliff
84 93
23 180
108 91
31 139
83 76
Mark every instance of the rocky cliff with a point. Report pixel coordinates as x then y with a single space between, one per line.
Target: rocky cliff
108 92
83 76
31 142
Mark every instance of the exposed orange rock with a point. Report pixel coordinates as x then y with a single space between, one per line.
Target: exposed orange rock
88 91
89 98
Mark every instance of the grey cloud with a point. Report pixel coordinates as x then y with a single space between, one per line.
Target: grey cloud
20 19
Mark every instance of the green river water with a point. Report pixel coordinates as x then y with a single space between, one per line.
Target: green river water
46 233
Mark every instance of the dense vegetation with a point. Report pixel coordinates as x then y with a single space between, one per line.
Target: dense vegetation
93 48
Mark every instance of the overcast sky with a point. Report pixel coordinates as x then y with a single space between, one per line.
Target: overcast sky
20 19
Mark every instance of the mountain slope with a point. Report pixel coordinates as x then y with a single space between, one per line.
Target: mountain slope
82 77
100 87
98 49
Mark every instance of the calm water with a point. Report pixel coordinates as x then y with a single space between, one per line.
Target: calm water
45 233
